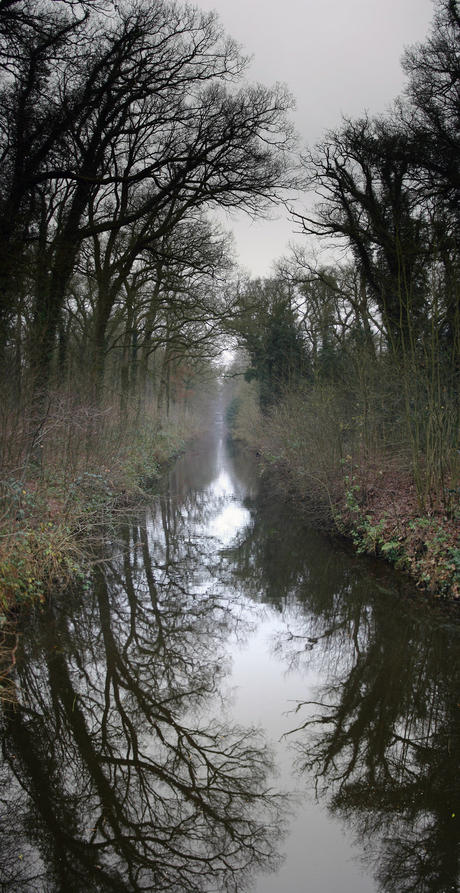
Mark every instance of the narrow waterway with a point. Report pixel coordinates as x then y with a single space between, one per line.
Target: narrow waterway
231 700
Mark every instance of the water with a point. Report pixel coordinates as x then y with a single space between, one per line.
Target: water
230 690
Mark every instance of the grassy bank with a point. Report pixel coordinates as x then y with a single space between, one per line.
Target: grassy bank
52 512
341 471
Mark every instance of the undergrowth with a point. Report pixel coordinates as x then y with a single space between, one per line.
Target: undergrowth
51 514
349 479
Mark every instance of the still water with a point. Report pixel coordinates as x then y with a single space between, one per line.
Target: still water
231 700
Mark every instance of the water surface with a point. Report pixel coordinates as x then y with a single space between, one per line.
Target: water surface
228 691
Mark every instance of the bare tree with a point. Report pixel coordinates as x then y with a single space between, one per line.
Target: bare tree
140 119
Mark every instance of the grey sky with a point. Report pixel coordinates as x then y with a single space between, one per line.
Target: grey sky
336 56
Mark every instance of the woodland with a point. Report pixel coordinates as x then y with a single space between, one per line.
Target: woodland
126 130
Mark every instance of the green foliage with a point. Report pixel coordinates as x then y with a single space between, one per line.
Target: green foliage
231 413
279 360
371 539
16 501
352 489
267 327
331 363
453 557
141 464
34 562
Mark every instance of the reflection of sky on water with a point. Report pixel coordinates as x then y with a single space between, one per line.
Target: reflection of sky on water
218 602
232 515
319 855
306 627
318 852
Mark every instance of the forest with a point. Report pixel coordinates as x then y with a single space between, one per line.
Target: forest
126 130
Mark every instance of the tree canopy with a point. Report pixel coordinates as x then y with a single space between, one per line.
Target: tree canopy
388 190
116 125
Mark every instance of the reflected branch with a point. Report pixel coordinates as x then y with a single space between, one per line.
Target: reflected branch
384 747
122 778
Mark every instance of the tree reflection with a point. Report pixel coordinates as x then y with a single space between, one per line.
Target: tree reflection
384 745
115 776
380 740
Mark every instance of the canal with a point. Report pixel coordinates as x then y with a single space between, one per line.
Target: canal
231 701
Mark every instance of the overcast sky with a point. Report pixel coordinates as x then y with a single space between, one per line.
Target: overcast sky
336 56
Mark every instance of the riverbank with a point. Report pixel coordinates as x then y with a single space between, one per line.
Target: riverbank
382 520
53 516
371 500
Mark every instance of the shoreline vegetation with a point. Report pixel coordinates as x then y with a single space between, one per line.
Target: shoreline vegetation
53 513
325 452
123 138
319 456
